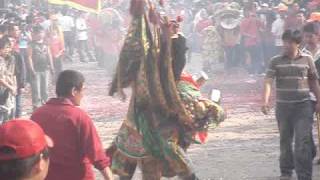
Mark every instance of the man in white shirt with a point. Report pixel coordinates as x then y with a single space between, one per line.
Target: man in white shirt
82 37
68 26
277 31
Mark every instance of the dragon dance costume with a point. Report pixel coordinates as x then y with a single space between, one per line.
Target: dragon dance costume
165 112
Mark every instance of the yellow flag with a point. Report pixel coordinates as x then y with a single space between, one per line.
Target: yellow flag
93 6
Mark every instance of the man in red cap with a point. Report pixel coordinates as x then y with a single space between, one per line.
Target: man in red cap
24 151
77 144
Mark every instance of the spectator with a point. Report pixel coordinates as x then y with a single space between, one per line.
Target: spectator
14 33
77 144
201 21
312 46
24 39
277 30
82 37
300 20
24 151
44 20
40 62
267 16
7 81
20 68
56 44
291 20
23 12
179 49
311 38
106 47
250 29
68 25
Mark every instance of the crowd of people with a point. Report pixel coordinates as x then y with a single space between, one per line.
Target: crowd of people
232 34
36 43
34 46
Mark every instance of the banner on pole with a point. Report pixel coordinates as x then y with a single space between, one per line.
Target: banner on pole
93 6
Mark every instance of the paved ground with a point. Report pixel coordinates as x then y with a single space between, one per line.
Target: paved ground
244 147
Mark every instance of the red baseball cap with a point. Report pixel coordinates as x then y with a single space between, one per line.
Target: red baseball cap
25 137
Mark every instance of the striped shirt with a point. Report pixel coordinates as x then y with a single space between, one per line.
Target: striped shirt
292 77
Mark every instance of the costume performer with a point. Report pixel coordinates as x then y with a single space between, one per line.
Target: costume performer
165 112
